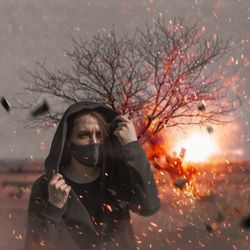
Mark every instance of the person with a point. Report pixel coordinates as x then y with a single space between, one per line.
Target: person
95 173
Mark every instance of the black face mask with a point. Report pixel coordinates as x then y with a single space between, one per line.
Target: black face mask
89 155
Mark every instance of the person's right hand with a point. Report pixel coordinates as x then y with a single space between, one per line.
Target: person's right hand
58 191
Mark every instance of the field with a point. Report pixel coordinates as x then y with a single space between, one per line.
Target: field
208 218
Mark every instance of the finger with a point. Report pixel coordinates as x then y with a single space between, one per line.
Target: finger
55 178
119 119
118 130
59 183
122 124
63 186
124 118
67 189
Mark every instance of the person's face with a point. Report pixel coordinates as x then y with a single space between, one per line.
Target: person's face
86 130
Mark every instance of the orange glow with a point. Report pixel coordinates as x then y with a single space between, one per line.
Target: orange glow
199 147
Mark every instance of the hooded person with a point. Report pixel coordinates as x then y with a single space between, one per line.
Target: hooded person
101 221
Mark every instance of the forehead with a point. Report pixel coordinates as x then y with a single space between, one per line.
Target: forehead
86 122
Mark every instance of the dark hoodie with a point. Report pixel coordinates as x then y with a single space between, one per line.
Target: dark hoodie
127 183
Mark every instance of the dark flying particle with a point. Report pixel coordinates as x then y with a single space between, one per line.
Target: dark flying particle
181 183
210 129
209 228
150 117
5 104
245 223
201 107
40 110
219 217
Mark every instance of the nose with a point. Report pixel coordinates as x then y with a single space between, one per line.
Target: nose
94 139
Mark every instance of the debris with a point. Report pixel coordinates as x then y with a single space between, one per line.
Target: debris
245 223
5 104
211 227
201 107
181 183
150 117
40 110
210 129
219 217
182 153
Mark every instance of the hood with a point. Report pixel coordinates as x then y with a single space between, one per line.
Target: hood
53 162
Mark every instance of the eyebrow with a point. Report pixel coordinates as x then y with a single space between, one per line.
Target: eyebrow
87 132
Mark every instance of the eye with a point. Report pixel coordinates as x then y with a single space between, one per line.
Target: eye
82 135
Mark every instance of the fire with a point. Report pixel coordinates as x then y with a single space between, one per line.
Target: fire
199 147
167 153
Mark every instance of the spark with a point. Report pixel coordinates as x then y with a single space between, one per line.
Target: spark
153 224
107 207
42 243
215 14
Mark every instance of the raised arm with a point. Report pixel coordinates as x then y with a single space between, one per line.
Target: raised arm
135 176
43 218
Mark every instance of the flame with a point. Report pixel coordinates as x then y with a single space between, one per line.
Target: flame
177 153
199 147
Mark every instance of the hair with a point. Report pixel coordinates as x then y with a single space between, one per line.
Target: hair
100 119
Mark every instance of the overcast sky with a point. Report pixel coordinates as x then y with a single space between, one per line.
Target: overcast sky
32 30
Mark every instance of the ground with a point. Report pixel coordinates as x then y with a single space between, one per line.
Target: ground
210 219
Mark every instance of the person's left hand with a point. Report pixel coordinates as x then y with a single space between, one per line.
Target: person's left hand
125 130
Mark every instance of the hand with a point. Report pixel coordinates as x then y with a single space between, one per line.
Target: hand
58 191
125 131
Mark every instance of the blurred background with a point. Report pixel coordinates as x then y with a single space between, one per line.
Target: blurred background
33 30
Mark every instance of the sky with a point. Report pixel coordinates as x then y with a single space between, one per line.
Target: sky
32 30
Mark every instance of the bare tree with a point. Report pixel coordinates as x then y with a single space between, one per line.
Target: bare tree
159 76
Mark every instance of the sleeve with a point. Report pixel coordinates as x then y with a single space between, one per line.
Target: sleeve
143 194
43 220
